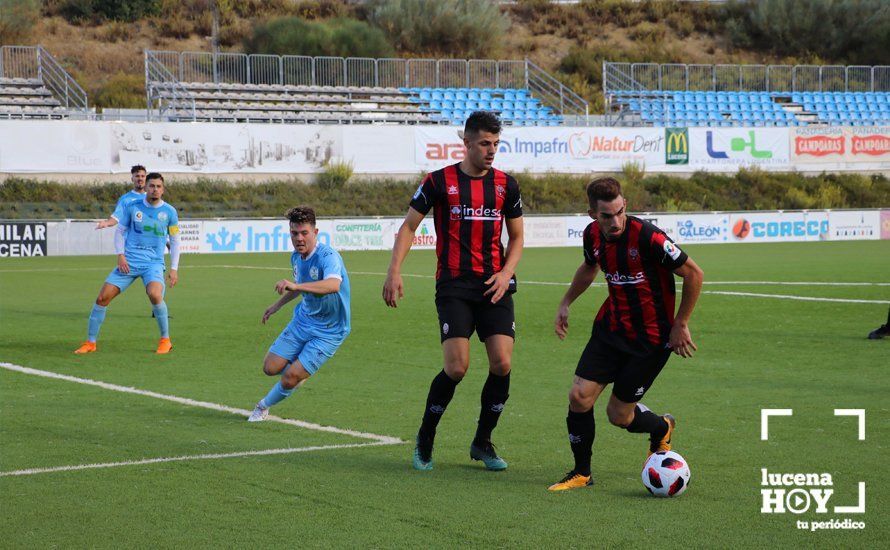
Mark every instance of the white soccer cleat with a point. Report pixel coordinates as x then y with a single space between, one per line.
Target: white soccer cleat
259 414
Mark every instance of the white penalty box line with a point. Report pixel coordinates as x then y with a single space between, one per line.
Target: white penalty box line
375 439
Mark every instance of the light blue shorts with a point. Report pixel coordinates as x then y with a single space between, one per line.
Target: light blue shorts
153 273
311 349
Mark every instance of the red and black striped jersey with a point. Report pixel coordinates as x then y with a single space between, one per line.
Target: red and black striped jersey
638 268
469 217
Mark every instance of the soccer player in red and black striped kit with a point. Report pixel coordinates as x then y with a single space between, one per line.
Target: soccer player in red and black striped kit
472 203
635 330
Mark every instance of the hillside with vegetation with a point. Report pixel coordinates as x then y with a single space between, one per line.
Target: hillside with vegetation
101 41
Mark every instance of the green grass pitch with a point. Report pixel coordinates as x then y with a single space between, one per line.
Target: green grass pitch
754 353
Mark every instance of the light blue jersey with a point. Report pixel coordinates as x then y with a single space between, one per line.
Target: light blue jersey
126 200
328 313
147 230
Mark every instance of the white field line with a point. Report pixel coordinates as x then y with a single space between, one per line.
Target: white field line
563 284
791 297
290 450
383 439
419 276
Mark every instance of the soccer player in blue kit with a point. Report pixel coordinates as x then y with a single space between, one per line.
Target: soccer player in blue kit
140 241
321 320
136 194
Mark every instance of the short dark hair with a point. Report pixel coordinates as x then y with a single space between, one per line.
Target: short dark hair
603 189
300 215
137 168
482 120
155 176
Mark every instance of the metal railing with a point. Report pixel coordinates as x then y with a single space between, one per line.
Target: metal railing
553 93
35 63
164 92
297 70
744 78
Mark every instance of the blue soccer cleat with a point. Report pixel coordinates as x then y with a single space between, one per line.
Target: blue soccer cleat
488 456
423 454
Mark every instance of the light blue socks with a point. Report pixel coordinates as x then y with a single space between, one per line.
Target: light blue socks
96 318
160 313
275 395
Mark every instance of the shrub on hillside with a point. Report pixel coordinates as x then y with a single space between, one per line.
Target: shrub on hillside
122 91
336 37
98 10
336 174
17 18
446 28
857 31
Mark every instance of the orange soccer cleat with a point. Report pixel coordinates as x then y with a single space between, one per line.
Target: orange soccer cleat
663 444
165 346
86 347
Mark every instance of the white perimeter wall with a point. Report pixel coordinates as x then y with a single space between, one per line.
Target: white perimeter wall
100 147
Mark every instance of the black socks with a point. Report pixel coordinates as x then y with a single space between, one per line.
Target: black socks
494 395
582 430
646 421
441 392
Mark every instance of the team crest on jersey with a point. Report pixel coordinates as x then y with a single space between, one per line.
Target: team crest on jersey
501 190
452 190
139 215
313 273
162 216
634 253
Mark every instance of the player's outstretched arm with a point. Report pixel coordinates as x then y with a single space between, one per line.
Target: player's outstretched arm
392 286
693 277
584 276
500 282
330 285
110 222
285 298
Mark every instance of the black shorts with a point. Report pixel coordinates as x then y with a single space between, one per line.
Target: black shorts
631 373
460 316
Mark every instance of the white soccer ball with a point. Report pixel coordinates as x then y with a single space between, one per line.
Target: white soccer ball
666 474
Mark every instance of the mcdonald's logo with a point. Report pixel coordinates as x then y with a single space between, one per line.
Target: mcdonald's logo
677 150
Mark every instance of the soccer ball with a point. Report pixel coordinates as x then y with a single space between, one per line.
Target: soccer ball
666 474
